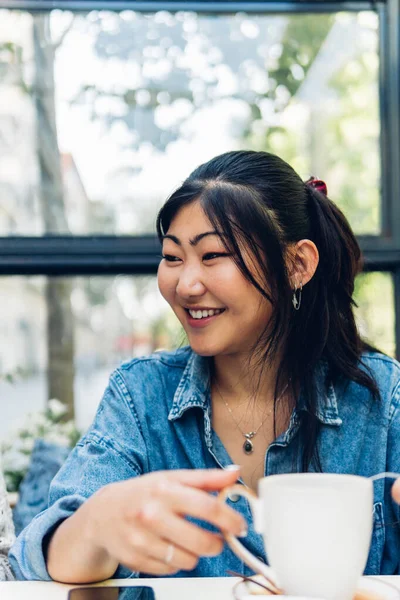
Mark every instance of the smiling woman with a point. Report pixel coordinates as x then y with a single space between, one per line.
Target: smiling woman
267 223
259 268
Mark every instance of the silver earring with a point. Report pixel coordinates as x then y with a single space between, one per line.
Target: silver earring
296 299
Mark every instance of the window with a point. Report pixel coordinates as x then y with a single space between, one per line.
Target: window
152 95
69 351
104 108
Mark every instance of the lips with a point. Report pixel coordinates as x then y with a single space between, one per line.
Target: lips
200 317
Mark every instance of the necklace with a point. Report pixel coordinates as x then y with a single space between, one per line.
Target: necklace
248 446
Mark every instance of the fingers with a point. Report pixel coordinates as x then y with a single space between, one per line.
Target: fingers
210 480
151 516
177 557
195 503
396 491
149 553
145 564
184 535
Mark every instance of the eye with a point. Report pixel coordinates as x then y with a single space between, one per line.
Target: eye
170 258
212 255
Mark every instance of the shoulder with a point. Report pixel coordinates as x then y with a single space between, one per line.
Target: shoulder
175 359
151 373
386 372
384 369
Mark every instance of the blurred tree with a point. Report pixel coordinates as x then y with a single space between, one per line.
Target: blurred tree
60 322
185 58
287 67
374 294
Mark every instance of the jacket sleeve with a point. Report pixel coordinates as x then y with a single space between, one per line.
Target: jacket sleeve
6 532
112 450
393 465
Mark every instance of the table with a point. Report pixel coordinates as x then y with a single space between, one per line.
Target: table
166 589
205 588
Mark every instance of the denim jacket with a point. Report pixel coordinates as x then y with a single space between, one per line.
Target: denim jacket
156 414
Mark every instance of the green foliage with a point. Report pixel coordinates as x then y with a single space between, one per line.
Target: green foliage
339 138
375 313
301 43
13 376
48 425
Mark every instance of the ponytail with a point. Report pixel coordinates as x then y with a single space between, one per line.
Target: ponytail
340 254
332 287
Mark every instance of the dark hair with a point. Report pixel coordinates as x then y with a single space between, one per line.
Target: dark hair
258 201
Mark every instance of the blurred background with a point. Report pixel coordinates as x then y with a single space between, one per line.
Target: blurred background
104 109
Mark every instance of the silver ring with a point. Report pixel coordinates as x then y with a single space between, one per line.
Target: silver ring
169 554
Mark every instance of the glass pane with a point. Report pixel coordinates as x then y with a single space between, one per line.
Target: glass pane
96 133
375 314
87 326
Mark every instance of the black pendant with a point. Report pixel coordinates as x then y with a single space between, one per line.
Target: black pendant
248 447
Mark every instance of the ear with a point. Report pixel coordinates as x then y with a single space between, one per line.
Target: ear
303 262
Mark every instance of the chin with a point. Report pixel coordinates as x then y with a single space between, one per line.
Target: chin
204 349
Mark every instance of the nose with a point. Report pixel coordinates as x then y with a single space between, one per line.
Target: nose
190 282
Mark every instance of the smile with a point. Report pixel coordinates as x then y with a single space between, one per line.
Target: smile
204 314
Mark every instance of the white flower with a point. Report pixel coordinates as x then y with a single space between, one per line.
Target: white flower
35 420
27 444
17 448
15 461
57 408
21 444
69 427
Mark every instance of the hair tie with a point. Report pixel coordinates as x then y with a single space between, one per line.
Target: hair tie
318 185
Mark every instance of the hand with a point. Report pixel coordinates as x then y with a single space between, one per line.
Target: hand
396 491
136 521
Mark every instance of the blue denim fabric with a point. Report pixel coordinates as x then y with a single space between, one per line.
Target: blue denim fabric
46 460
156 414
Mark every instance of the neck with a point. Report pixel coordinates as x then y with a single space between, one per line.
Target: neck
237 379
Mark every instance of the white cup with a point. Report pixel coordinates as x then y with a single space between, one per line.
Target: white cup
317 531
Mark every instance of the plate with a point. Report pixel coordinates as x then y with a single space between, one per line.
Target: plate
370 588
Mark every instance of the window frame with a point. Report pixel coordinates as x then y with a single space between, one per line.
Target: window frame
210 6
55 255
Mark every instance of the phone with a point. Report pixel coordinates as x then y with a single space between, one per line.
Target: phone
112 593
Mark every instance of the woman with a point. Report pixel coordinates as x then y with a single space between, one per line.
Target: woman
6 532
259 267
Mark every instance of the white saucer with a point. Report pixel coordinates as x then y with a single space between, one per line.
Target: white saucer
370 588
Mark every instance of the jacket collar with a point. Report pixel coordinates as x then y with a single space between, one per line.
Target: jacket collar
194 387
193 391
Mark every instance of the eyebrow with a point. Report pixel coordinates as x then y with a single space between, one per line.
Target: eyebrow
194 241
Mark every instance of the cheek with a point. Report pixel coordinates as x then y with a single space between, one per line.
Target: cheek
166 282
265 311
263 314
259 309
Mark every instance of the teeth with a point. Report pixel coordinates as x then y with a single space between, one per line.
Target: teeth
202 314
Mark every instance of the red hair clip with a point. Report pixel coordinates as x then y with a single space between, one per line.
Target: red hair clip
318 185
